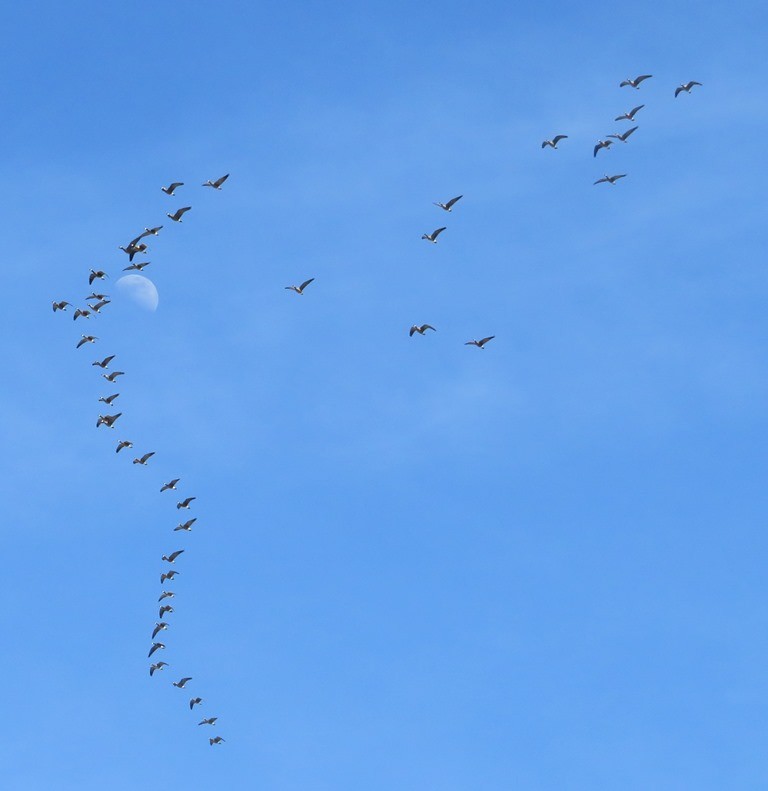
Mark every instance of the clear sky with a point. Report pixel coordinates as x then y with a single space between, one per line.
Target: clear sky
417 565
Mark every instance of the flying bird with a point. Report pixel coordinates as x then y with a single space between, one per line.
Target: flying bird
421 329
86 339
166 595
144 459
124 443
216 184
610 179
97 306
636 82
137 267
105 362
186 526
170 485
113 376
167 575
152 231
134 248
185 503
215 740
623 137
97 297
171 188
481 343
177 215
194 702
96 274
107 420
448 205
432 237
60 305
109 399
84 312
300 289
602 144
160 626
208 721
181 683
172 557
630 116
155 647
157 666
166 608
685 87
554 141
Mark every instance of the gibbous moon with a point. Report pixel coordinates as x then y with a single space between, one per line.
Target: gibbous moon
139 289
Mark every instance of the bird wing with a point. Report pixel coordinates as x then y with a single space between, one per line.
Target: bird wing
427 327
600 181
305 284
459 197
414 328
628 133
108 360
175 554
220 181
483 341
620 176
632 112
623 83
147 456
678 91
437 232
642 77
157 629
557 138
597 148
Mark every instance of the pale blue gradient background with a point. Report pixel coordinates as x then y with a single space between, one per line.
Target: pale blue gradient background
417 565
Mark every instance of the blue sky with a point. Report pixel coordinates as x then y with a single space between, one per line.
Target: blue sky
416 565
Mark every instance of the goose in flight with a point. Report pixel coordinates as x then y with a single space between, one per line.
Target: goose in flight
432 237
171 188
104 363
107 420
137 267
109 399
636 82
157 666
623 137
134 248
155 647
60 305
84 312
144 459
172 557
97 306
448 205
178 214
166 608
170 485
160 626
111 377
300 289
86 339
215 740
167 575
216 184
602 144
152 231
182 682
97 297
166 595
421 329
685 87
185 503
554 141
96 274
124 443
186 526
481 343
630 116
610 179
194 702
208 721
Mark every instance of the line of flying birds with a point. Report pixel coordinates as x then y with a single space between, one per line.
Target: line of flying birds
622 136
94 303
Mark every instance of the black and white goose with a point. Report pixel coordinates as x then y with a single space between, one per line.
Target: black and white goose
636 82
86 339
108 399
554 141
107 420
610 179
630 116
172 557
178 214
144 459
432 237
208 721
96 274
157 666
138 267
160 626
602 144
60 305
300 289
194 702
168 575
124 443
155 647
113 376
182 682
185 503
171 485
481 343
105 362
421 329
166 608
216 184
171 188
186 526
448 205
624 135
685 87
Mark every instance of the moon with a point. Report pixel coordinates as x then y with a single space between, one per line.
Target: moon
141 290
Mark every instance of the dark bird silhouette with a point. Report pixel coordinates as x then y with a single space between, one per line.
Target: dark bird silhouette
630 116
216 184
172 557
157 666
636 82
610 179
182 682
160 626
554 141
178 214
623 137
194 702
186 526
685 87
420 329
185 503
105 362
432 237
113 376
155 647
167 575
171 188
107 420
166 608
144 459
124 443
208 721
166 595
135 247
300 289
137 267
215 740
60 305
86 339
96 274
481 343
602 144
84 312
448 205
109 399
170 485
